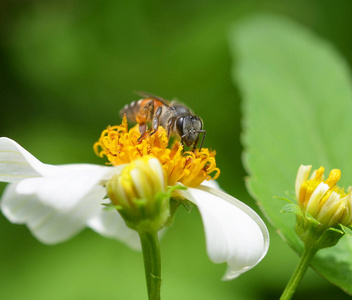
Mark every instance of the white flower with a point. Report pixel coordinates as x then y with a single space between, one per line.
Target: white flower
56 202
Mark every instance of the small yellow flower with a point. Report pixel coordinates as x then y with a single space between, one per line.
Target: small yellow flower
323 199
121 146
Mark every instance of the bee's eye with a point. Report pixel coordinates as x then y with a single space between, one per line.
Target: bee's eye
197 123
179 126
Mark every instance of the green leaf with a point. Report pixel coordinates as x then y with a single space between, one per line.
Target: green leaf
297 105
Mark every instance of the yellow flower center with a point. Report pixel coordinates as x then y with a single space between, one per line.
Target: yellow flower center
121 146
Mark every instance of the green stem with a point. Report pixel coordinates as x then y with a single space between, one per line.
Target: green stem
298 274
152 263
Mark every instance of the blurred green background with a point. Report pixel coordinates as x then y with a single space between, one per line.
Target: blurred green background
66 69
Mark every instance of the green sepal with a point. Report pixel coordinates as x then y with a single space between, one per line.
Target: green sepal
187 205
168 193
311 219
110 206
290 197
175 202
346 229
184 202
315 235
284 199
159 219
292 209
140 202
335 230
176 187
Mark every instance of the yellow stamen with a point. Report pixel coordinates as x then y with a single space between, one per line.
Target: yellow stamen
318 174
333 178
121 146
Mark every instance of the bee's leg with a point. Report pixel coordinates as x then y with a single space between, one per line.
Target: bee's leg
142 130
156 120
170 124
201 143
150 109
143 116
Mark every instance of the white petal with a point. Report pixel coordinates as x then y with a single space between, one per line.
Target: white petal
211 183
56 202
314 200
17 163
66 188
110 224
329 204
48 224
235 234
302 176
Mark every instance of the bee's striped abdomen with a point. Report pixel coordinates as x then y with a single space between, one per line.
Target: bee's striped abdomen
131 110
141 109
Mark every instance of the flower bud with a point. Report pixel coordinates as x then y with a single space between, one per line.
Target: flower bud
139 193
324 206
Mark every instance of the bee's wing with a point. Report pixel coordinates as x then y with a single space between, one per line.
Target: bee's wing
148 95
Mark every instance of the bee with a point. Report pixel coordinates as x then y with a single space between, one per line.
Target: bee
176 118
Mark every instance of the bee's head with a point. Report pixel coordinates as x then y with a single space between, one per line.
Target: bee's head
189 128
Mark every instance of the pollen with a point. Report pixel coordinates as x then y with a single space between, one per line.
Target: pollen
120 145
